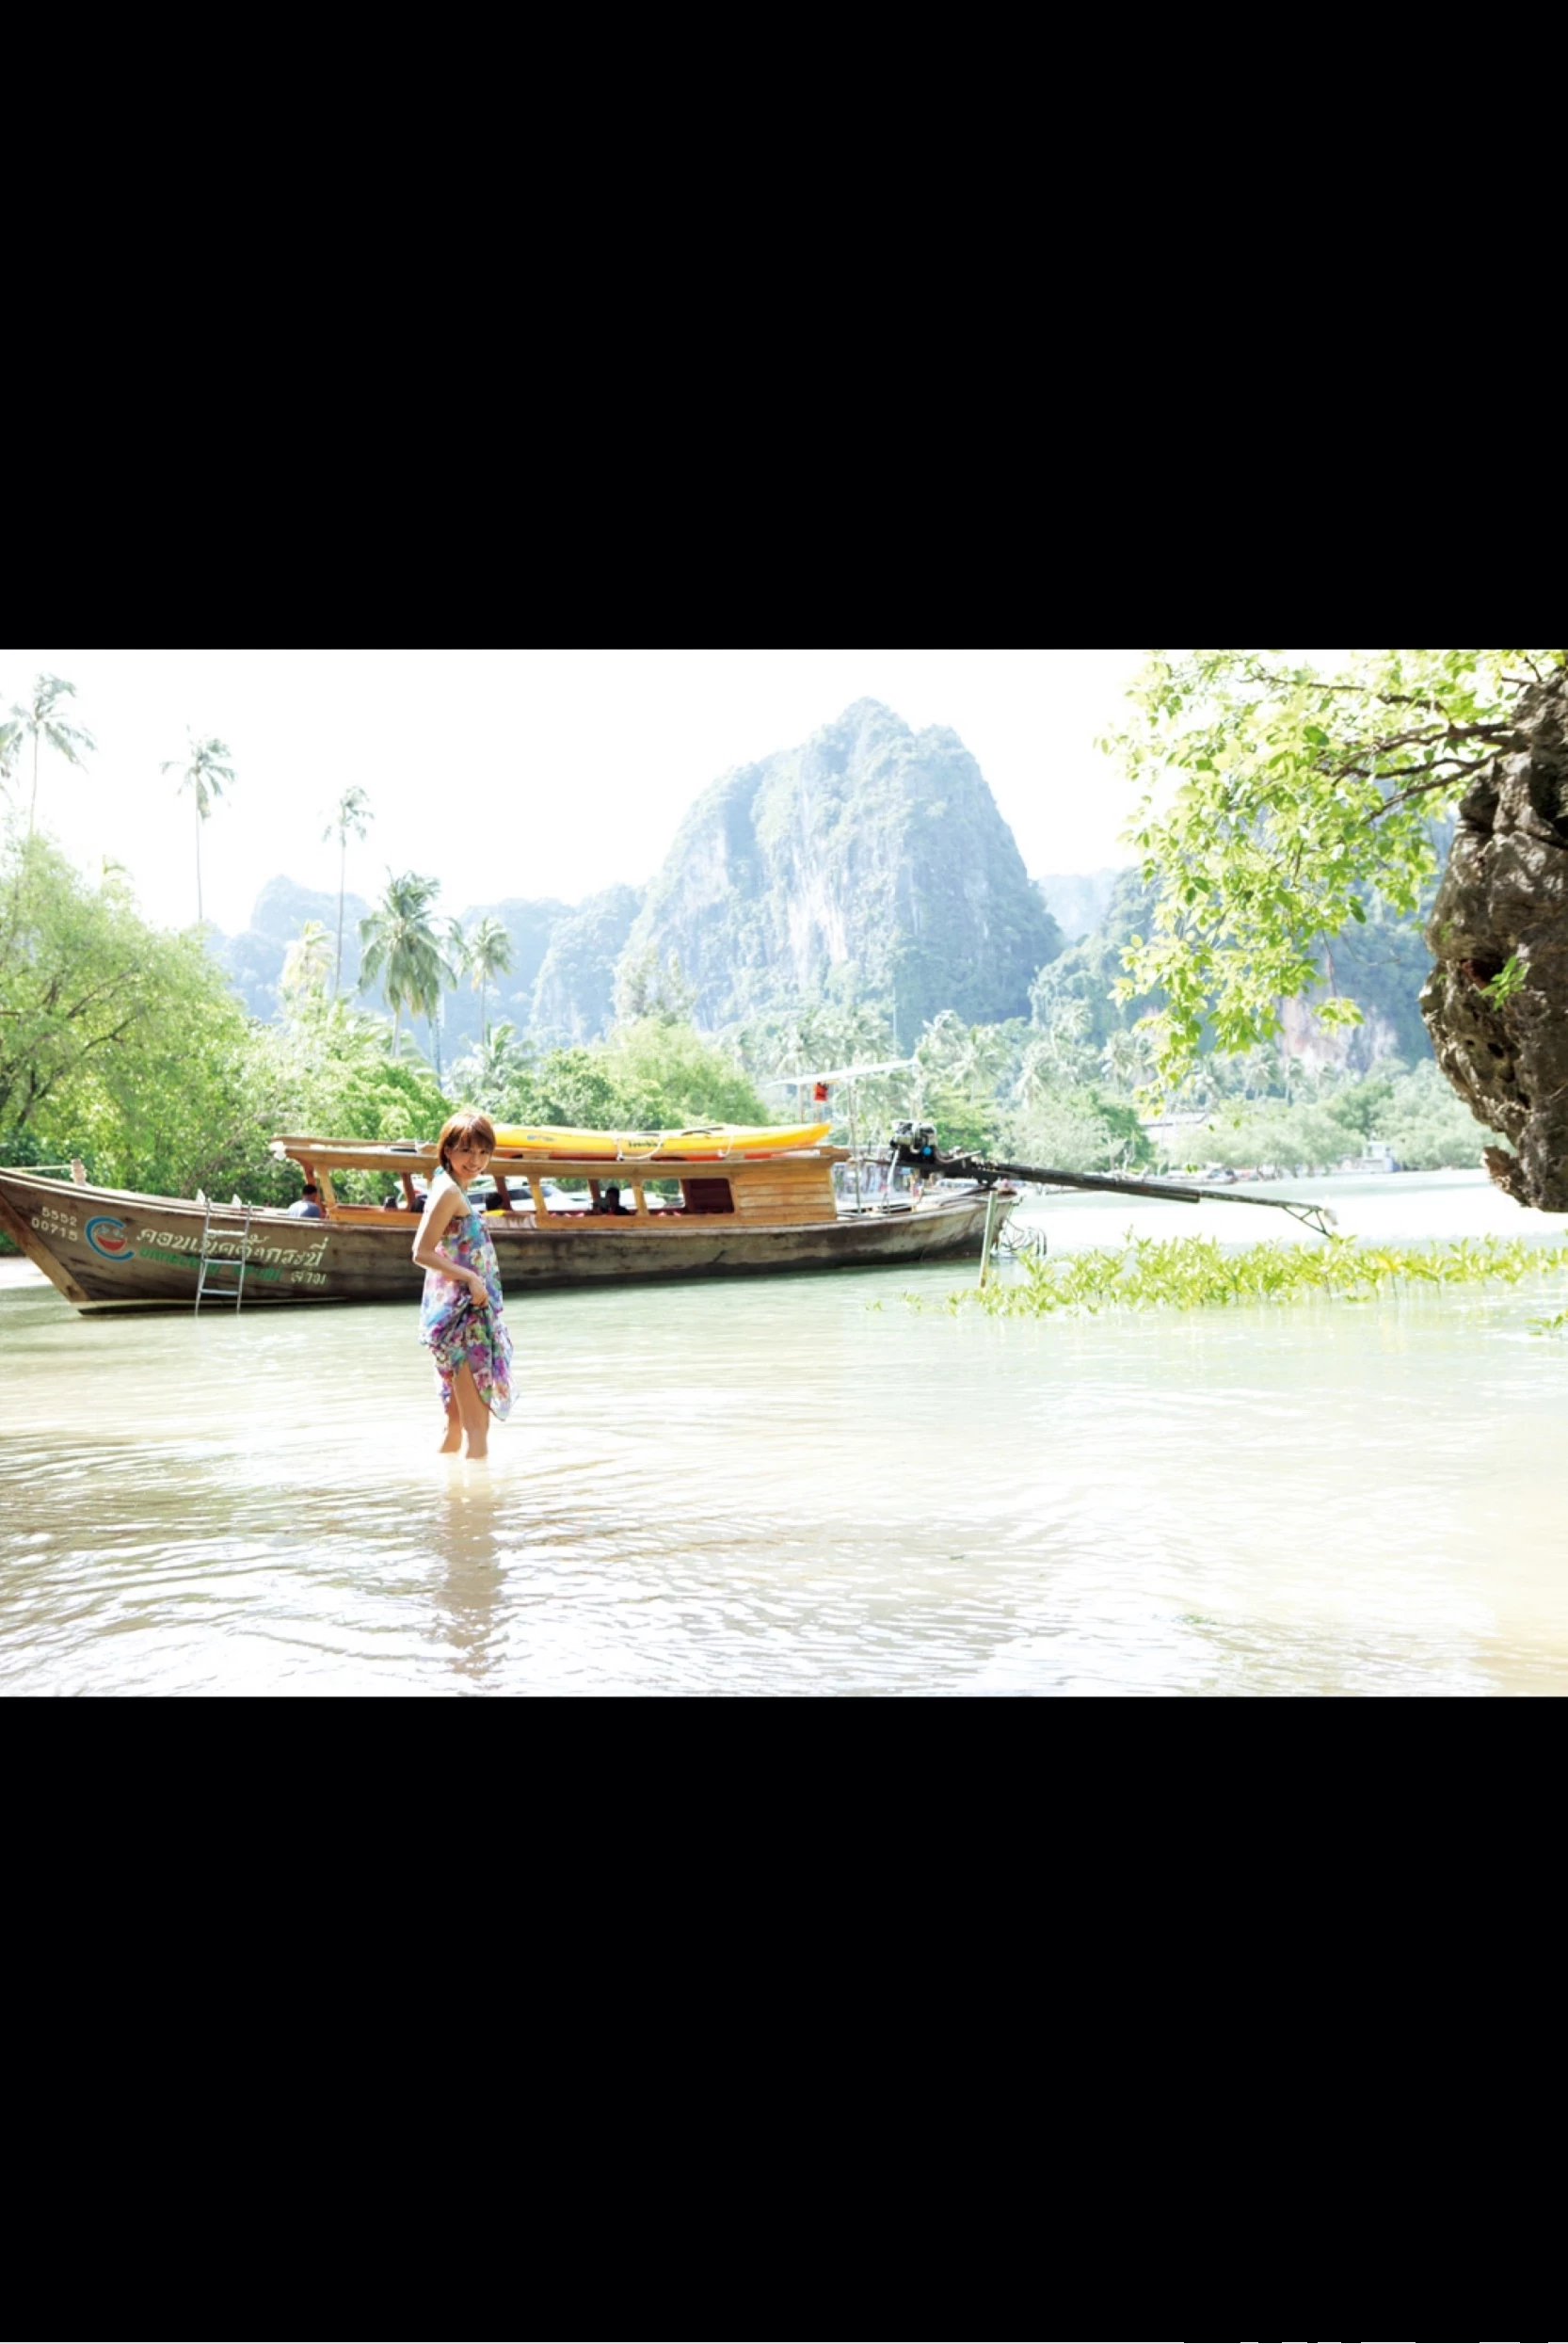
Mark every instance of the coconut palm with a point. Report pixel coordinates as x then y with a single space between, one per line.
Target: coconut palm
308 959
40 717
203 771
972 1054
454 951
489 955
400 947
10 746
1125 1059
494 1077
351 818
1060 1050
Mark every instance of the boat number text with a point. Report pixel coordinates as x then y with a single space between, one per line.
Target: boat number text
50 1221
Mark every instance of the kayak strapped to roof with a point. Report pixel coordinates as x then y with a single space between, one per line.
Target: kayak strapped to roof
705 1143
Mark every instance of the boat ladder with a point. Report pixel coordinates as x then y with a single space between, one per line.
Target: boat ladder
209 1267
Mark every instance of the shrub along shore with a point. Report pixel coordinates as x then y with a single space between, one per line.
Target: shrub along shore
1198 1273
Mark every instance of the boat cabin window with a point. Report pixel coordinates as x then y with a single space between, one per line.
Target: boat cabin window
708 1195
566 1197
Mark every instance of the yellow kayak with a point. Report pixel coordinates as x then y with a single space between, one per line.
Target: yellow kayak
707 1143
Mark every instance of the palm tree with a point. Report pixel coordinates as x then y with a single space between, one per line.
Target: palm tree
490 955
453 945
1124 1059
10 743
308 959
399 946
1061 1048
491 1076
39 717
203 772
351 816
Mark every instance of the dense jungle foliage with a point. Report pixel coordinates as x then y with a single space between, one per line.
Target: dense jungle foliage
1256 972
126 1046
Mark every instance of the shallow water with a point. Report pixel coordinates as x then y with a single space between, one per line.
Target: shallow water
770 1487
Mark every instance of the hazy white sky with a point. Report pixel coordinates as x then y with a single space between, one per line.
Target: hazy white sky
528 773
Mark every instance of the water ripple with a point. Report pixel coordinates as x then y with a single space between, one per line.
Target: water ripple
771 1489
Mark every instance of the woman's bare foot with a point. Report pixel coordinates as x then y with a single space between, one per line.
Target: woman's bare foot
453 1439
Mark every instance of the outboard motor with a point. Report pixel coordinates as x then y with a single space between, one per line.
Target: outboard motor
915 1144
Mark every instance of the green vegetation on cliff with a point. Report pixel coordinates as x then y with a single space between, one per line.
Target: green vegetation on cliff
871 864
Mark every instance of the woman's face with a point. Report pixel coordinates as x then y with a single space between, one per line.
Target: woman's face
467 1163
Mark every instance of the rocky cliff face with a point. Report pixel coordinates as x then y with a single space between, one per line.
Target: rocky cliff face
873 859
1079 900
530 921
1379 965
1504 900
573 998
255 957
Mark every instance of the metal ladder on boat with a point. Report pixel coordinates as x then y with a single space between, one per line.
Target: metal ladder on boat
209 1267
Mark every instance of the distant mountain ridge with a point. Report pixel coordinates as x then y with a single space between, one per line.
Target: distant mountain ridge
870 861
1079 900
255 957
871 864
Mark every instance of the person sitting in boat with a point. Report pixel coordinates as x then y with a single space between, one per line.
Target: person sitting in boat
609 1199
308 1208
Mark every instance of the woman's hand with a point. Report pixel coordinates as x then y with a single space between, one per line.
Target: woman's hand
478 1286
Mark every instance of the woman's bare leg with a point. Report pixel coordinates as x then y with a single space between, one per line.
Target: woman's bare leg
475 1416
452 1439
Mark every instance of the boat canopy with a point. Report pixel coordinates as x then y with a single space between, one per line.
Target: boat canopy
579 1154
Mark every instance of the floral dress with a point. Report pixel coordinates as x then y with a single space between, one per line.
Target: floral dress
455 1325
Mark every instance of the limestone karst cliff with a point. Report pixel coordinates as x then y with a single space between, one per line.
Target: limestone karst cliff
573 998
1496 1004
255 957
872 858
872 861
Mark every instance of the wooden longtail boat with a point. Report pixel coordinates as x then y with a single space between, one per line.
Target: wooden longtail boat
739 1211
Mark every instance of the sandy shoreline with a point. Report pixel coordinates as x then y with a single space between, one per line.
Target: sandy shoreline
16 1271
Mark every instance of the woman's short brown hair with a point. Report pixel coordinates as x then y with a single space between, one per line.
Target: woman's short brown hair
464 1130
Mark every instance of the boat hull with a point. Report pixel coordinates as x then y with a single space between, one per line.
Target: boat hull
106 1250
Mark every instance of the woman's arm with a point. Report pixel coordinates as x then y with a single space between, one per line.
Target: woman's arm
439 1212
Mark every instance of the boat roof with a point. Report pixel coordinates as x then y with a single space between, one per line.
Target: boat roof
416 1155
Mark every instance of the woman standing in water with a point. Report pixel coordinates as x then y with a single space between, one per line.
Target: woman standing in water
460 1317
